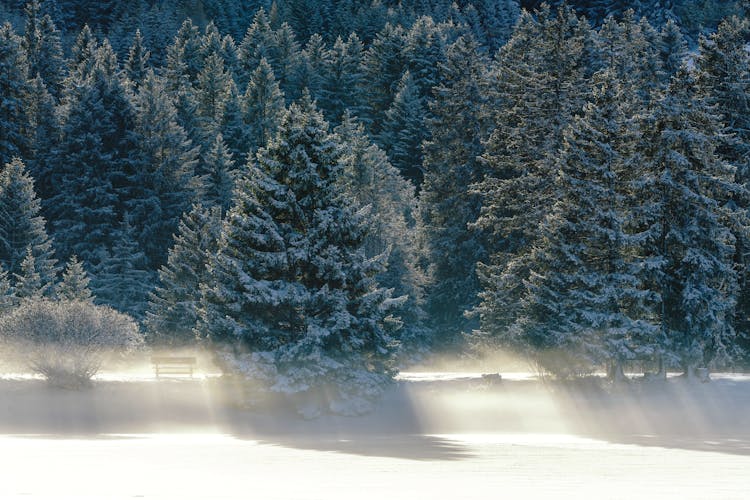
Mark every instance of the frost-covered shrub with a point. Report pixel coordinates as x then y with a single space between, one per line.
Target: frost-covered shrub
66 341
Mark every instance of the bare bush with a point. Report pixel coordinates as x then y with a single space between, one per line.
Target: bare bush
67 340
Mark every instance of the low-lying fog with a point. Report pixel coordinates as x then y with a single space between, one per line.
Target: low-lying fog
437 434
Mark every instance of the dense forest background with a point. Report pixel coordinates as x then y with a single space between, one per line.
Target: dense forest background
326 190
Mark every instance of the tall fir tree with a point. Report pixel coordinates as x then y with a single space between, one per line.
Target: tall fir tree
538 84
22 228
258 43
291 299
43 45
217 183
446 204
263 106
13 90
94 159
75 283
122 278
724 76
689 228
29 282
343 76
43 135
161 182
174 305
403 130
369 181
137 63
382 67
586 301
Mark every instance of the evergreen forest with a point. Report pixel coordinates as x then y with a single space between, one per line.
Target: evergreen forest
322 193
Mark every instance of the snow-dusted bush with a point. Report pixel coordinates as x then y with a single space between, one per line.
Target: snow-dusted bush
66 341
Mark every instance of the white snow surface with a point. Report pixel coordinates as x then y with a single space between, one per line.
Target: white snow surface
440 436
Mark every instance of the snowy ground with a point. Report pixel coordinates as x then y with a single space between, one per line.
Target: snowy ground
436 436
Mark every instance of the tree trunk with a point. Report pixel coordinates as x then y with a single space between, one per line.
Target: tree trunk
615 372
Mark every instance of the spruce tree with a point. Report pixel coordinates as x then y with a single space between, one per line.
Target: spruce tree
537 85
7 299
22 228
137 63
184 60
343 76
724 77
263 106
211 94
233 127
122 278
314 60
371 182
447 205
689 228
585 302
43 46
403 130
43 135
161 181
291 300
75 283
13 90
94 162
382 67
259 43
29 283
217 183
174 304
83 56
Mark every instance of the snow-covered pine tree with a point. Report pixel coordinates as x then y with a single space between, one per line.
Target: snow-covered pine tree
22 228
13 90
94 158
292 300
403 130
382 67
690 227
259 43
83 57
673 51
497 19
424 50
286 61
174 305
43 46
263 106
537 85
75 282
217 182
43 135
446 204
161 179
233 128
184 60
29 283
343 77
585 302
7 299
137 64
369 180
122 278
724 75
210 96
629 48
314 60
231 54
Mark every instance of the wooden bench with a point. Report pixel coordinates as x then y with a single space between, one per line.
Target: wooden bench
171 365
